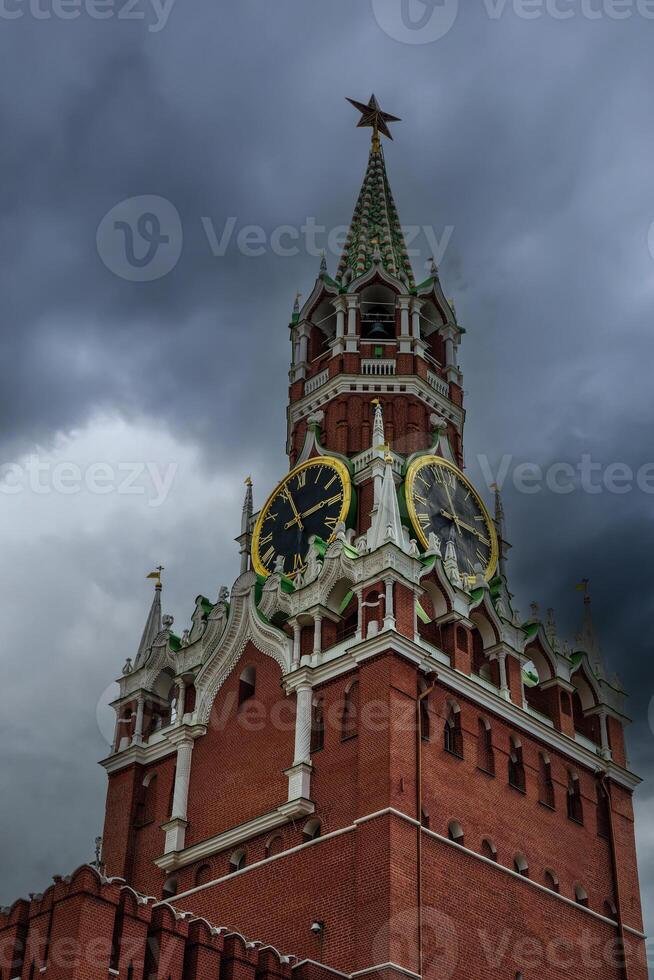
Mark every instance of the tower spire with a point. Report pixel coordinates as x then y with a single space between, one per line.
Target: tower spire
375 232
499 521
153 622
386 523
246 520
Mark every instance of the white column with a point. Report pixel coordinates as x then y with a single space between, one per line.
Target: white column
339 306
405 336
297 630
317 636
352 339
415 322
181 692
176 827
389 615
304 698
504 686
359 633
182 779
138 729
604 735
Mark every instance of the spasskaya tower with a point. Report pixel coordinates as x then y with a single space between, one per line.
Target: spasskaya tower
359 760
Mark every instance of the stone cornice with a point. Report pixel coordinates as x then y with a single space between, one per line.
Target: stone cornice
429 658
284 814
142 754
347 384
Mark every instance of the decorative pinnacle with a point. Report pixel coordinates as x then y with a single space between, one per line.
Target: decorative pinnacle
248 481
296 304
373 117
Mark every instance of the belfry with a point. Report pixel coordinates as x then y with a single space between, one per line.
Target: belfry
359 760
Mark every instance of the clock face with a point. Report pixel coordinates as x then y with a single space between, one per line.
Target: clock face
313 499
441 500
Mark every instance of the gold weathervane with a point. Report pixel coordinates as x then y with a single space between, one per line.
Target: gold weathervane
156 574
373 117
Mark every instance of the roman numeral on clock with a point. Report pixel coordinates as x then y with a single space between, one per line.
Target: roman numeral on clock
268 555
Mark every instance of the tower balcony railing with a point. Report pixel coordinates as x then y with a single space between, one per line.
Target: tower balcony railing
438 384
379 366
316 382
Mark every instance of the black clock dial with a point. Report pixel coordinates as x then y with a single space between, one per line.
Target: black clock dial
441 500
312 500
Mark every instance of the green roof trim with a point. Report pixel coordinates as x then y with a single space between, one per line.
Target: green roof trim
345 603
531 629
422 615
375 226
174 642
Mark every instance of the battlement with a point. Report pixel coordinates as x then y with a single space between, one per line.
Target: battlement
86 926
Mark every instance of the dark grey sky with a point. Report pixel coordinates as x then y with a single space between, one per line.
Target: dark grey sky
528 139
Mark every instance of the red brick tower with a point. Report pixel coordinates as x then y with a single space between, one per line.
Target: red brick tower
360 754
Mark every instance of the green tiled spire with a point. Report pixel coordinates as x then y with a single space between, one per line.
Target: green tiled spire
375 227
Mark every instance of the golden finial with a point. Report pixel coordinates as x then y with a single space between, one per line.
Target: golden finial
376 402
248 481
156 574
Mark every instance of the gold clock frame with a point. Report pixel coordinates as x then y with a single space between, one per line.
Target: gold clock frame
409 485
329 461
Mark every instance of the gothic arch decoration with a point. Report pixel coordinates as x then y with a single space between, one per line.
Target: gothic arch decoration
245 625
377 273
585 684
543 657
491 628
321 292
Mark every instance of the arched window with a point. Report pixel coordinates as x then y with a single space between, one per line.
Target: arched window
247 684
311 829
552 882
480 664
603 813
521 865
517 777
575 804
169 888
274 845
545 781
349 727
425 718
452 733
485 753
610 911
146 809
581 896
455 832
317 725
488 849
203 874
237 860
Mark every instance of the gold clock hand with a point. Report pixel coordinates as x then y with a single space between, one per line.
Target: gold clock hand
312 510
467 527
297 520
453 516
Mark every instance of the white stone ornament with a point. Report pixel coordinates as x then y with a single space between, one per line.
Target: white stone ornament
167 621
414 550
279 565
434 548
